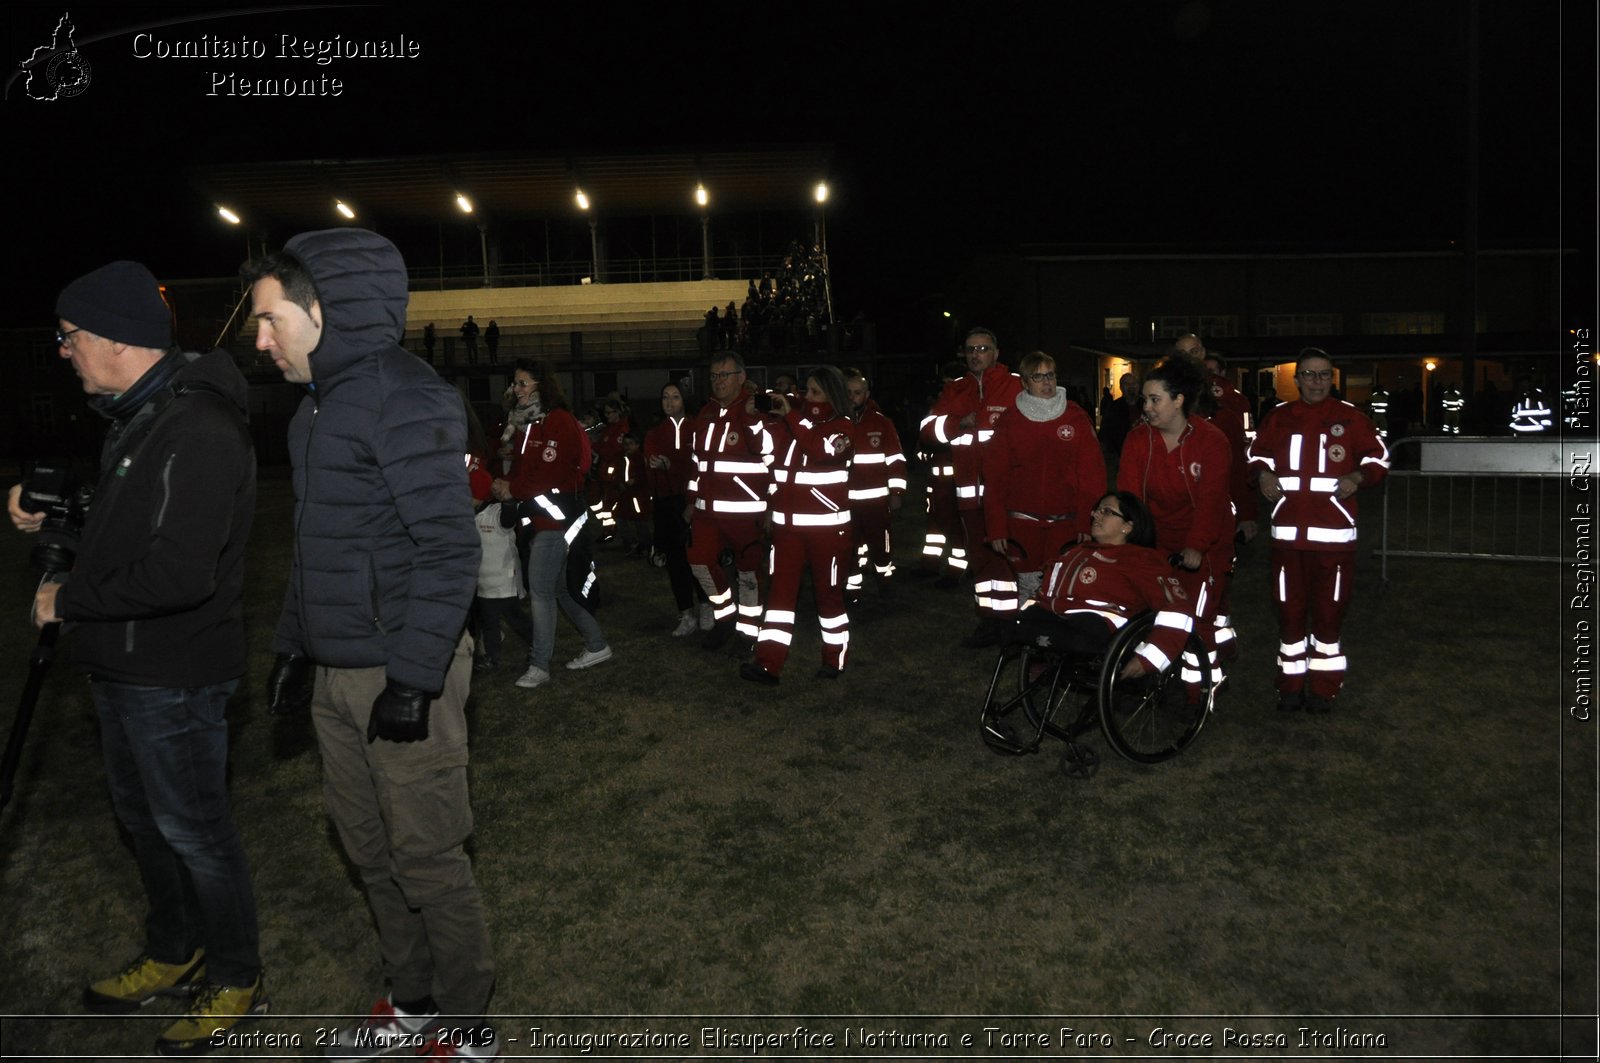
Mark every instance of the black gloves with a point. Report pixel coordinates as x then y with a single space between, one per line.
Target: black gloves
399 715
290 684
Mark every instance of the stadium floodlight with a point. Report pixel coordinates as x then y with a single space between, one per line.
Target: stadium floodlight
581 199
464 203
344 211
227 215
821 191
701 196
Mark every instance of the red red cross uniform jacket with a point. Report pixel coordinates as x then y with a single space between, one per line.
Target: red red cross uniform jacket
731 453
810 527
1186 490
1041 480
671 439
549 458
729 488
1308 448
1117 583
986 397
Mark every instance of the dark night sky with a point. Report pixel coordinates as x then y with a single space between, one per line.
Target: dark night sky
1174 121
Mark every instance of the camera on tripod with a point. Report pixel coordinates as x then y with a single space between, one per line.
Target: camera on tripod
54 491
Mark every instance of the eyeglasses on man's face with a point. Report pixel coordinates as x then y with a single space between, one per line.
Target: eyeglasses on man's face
1040 378
64 338
725 374
977 348
1315 374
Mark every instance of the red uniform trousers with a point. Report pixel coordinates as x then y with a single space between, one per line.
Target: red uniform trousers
708 536
1201 587
942 544
869 523
994 581
828 552
1315 583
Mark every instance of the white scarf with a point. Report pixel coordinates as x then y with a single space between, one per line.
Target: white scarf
1037 409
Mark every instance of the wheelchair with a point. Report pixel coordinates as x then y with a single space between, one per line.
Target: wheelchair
1063 695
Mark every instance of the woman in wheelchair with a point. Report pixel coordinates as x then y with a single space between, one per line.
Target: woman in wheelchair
1096 649
1095 588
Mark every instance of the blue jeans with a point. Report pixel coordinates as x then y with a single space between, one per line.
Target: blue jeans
166 755
547 587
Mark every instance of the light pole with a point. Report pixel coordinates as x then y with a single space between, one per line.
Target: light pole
703 198
820 193
582 200
464 205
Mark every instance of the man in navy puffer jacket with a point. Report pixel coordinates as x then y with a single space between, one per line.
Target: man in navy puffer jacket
372 632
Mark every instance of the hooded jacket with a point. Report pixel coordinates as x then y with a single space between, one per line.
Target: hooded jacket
156 594
386 552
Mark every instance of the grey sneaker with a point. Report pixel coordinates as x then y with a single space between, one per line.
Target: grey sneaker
590 658
533 677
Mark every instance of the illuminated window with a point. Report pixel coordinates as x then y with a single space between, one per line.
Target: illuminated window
1118 328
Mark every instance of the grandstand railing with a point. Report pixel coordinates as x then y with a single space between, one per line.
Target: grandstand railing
1476 497
612 271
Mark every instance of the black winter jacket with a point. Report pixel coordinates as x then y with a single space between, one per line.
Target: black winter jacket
386 552
156 594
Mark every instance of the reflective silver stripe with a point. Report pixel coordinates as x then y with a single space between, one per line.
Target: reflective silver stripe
865 494
771 635
824 499
738 466
1326 664
1288 535
1327 535
1325 648
577 526
872 459
897 483
818 520
832 476
969 492
1157 660
1289 483
758 506
1292 667
1294 451
1326 485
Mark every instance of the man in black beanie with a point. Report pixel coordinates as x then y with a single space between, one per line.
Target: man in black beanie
152 610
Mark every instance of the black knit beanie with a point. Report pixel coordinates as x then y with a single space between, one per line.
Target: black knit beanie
120 301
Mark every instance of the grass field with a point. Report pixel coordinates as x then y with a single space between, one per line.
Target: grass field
659 841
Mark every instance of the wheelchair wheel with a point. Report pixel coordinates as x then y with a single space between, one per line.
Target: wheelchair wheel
998 732
1054 691
1155 717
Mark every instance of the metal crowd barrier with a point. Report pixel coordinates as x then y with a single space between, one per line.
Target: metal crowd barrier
1478 497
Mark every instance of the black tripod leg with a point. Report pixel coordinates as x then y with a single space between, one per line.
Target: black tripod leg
44 651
